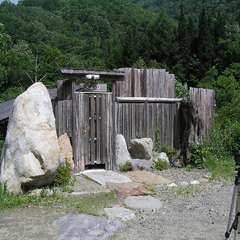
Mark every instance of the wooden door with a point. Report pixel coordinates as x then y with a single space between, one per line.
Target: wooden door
93 130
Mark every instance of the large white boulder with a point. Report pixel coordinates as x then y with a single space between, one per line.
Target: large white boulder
122 154
31 153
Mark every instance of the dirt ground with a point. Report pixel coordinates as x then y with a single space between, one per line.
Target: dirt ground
197 213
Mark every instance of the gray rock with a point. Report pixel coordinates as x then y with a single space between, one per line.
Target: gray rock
141 148
163 156
122 154
142 202
83 226
30 155
121 213
141 164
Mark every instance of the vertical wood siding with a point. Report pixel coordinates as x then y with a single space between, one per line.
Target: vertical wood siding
88 117
147 119
204 99
93 132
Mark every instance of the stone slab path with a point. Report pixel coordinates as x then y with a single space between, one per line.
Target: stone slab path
102 176
81 226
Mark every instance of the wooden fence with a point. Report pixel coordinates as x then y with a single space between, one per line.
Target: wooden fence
148 117
145 106
204 99
146 83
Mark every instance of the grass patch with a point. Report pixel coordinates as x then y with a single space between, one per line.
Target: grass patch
87 204
189 191
95 204
9 200
221 168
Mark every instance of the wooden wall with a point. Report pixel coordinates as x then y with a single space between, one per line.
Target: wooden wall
148 119
93 139
146 83
64 117
204 99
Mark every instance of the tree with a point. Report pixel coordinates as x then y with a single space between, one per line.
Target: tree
205 50
184 50
130 47
162 35
5 45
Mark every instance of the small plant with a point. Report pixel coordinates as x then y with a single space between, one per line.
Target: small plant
198 155
139 136
127 166
158 138
160 164
63 176
170 152
164 148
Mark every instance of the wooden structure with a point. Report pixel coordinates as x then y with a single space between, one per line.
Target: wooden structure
142 103
204 99
146 106
87 118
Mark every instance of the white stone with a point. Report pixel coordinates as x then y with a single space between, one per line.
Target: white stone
30 155
194 182
121 213
122 154
183 184
171 185
142 202
163 156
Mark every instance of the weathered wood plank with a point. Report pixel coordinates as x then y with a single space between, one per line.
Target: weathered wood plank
147 99
92 129
97 144
103 129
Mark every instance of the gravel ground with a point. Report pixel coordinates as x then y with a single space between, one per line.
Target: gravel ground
194 212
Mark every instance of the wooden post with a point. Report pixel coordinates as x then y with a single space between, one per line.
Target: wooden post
114 126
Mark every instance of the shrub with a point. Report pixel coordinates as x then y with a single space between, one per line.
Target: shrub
127 166
160 165
63 176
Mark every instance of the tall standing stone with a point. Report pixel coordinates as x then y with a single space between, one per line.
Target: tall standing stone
31 153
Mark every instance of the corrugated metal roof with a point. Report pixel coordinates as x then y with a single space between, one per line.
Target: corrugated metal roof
6 107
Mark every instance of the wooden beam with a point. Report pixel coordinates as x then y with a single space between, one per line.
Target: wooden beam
70 73
147 99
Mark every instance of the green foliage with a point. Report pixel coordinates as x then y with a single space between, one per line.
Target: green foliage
160 165
170 152
9 200
94 204
10 93
139 136
198 155
127 166
63 176
157 147
181 90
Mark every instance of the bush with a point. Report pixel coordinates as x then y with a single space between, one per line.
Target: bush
160 165
127 166
63 176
